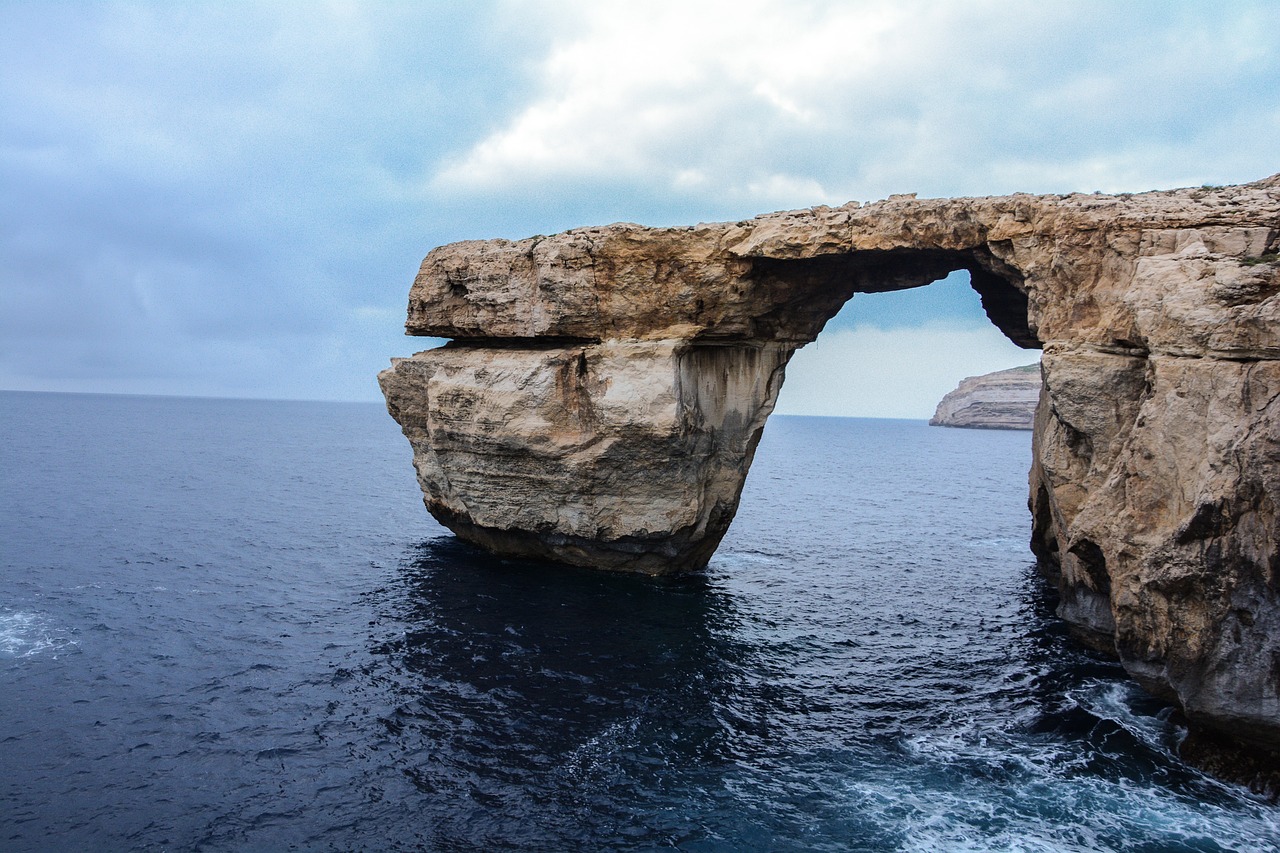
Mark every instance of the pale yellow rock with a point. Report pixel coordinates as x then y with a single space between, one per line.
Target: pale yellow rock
606 387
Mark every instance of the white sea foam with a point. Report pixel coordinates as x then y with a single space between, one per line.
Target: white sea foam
1017 795
1031 816
1114 701
24 634
597 750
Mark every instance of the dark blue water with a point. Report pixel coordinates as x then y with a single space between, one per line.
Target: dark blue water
230 625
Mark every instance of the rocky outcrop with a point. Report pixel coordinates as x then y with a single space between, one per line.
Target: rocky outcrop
1005 399
604 390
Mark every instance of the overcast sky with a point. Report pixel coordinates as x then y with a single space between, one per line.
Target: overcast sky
232 199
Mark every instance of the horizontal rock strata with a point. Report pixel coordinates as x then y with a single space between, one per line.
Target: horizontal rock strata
1005 399
604 390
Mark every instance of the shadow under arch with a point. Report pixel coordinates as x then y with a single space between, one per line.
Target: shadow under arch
566 652
539 706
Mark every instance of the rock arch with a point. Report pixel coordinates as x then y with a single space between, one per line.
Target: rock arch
603 391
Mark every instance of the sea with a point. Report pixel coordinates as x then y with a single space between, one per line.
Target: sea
230 625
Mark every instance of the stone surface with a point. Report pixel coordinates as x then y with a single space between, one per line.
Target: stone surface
1005 399
605 388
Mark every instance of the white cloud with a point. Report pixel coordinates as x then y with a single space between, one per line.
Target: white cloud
891 373
226 182
818 102
663 89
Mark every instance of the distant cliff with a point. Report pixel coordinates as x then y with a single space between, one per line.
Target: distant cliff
1005 399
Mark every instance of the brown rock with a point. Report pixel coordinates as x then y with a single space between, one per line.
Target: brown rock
605 389
1005 399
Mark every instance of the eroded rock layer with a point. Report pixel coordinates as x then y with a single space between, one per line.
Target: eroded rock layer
605 388
1006 399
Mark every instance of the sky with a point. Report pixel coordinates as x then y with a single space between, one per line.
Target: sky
232 198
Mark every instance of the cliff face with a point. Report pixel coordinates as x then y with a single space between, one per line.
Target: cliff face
1005 399
605 388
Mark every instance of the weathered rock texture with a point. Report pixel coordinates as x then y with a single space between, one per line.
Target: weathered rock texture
1005 399
605 388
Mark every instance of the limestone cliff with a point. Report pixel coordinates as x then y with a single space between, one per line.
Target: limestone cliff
605 388
1005 399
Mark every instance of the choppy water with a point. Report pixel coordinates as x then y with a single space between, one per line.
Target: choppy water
229 625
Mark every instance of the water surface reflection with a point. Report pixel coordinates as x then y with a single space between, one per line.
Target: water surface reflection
556 699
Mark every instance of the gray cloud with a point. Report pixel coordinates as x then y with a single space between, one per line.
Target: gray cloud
223 198
215 198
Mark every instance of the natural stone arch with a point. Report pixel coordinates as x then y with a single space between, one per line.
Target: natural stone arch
605 388
549 441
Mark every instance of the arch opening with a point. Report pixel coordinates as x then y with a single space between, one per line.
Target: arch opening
812 290
897 354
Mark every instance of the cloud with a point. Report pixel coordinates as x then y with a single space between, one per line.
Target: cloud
672 90
210 198
758 102
202 198
901 372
